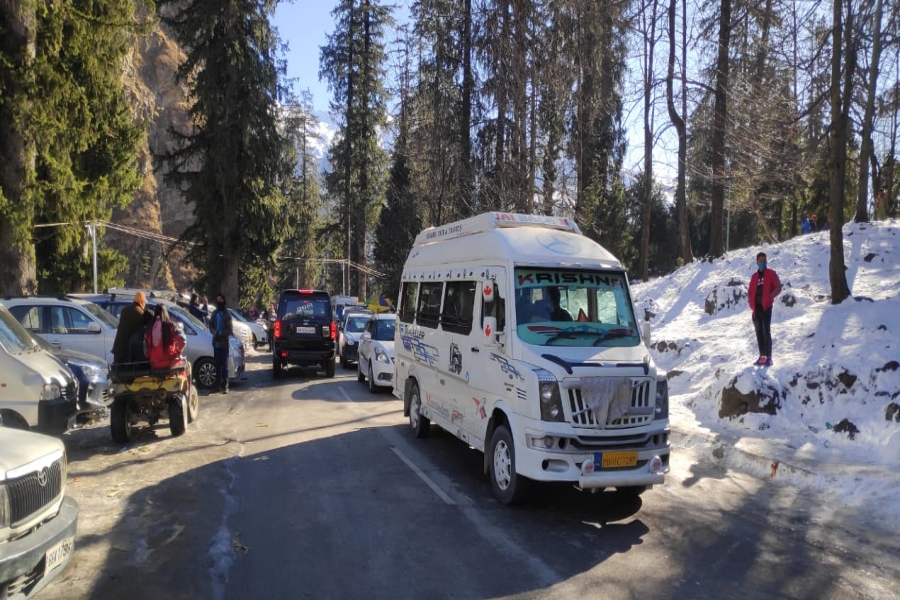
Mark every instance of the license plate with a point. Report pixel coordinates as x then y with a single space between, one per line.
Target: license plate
614 460
58 554
306 330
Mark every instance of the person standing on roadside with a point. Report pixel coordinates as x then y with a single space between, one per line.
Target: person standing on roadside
764 287
220 326
131 319
201 312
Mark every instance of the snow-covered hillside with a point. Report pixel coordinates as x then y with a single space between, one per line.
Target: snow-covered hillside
836 372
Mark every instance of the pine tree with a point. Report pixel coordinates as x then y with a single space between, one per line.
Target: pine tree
232 162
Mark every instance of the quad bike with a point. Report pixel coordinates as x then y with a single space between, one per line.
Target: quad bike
144 394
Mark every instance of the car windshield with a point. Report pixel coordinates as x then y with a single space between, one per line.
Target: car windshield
186 317
13 336
305 305
384 329
356 324
573 307
102 314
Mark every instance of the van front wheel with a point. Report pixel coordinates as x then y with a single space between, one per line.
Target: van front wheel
509 487
417 422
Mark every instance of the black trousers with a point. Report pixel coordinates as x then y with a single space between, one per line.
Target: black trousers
220 355
762 322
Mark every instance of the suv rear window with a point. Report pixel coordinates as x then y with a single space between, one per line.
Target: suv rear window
308 305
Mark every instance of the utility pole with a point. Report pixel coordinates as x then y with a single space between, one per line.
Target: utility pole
92 229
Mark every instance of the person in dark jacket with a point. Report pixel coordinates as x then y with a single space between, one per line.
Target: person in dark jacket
220 327
764 287
130 320
198 310
136 351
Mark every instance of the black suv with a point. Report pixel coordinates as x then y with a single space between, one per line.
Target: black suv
304 332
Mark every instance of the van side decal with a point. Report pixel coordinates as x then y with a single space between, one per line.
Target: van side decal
507 367
421 352
455 365
479 407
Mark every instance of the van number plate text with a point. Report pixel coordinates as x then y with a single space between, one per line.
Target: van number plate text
306 330
614 460
58 554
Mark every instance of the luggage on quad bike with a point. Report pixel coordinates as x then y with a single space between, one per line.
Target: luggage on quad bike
142 394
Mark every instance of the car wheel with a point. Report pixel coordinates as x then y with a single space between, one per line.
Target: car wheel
509 487
343 359
176 417
255 342
205 370
420 426
360 377
329 367
372 387
119 425
193 405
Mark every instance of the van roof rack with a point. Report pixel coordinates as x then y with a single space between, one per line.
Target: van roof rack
492 220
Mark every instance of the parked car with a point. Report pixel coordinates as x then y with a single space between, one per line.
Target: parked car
66 322
37 520
305 332
91 373
199 347
376 352
37 391
259 334
351 328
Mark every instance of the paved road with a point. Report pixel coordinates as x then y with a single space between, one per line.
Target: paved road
307 487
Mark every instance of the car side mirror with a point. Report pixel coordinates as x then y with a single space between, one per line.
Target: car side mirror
490 333
93 327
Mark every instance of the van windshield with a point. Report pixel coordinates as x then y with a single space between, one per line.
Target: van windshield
13 336
573 307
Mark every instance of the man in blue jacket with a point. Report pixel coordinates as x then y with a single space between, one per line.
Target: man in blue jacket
220 327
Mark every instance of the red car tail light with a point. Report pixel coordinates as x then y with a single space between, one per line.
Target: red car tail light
333 330
277 330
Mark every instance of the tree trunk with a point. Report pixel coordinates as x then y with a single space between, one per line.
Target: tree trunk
838 153
717 212
649 50
684 236
862 198
465 118
17 261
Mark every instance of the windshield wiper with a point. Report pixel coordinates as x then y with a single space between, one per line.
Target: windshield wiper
613 333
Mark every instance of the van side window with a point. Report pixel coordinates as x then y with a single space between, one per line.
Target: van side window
407 310
459 304
428 312
29 317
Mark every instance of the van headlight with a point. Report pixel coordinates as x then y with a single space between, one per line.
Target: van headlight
4 507
51 391
548 392
662 399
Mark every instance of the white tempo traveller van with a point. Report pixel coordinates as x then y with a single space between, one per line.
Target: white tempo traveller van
517 335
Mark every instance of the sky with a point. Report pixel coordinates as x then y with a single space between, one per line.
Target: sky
813 342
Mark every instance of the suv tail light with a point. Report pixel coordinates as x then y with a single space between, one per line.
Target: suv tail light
277 329
333 330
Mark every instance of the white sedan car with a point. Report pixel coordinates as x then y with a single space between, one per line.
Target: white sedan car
259 335
376 352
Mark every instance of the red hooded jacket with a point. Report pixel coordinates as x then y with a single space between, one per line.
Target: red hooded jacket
771 288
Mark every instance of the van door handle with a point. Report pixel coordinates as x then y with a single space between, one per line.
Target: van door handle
475 350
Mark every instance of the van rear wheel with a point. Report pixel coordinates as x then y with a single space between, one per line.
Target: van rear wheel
417 422
509 487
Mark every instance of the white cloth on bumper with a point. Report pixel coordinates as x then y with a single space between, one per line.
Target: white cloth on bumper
609 398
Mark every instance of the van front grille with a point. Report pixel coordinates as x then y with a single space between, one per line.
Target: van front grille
640 413
31 493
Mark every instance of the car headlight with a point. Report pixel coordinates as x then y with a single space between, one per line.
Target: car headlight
662 399
548 390
351 342
381 356
90 372
51 391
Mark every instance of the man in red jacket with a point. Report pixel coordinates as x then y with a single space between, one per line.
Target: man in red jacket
764 287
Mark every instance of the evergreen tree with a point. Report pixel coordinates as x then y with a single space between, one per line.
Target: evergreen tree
353 64
232 161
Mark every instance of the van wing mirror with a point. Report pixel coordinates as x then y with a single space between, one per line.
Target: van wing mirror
489 331
487 291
